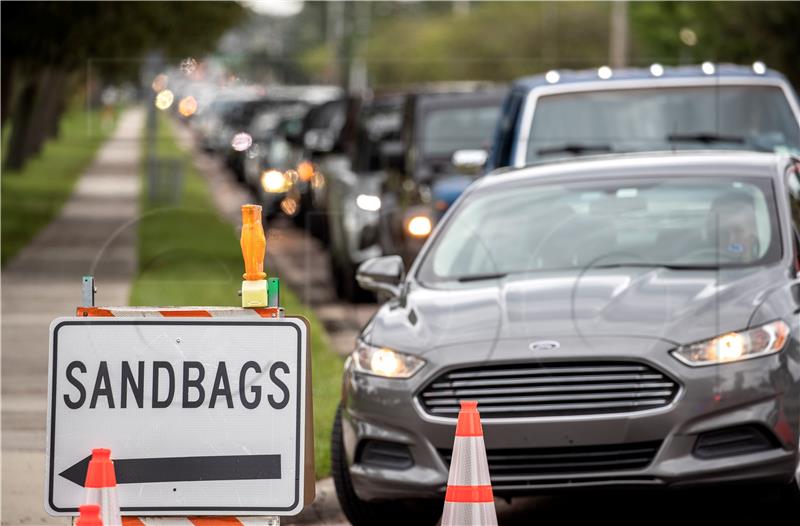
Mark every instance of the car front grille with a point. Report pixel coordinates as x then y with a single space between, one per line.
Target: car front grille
550 389
519 469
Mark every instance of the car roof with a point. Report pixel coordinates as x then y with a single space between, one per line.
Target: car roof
676 72
705 163
459 99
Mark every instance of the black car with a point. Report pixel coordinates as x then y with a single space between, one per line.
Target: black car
423 180
351 200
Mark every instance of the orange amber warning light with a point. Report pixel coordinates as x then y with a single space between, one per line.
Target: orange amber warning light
254 244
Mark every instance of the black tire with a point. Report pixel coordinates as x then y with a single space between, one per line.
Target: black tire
790 495
344 281
336 274
359 512
351 290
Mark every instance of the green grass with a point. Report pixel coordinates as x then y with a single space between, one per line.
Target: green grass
32 197
188 255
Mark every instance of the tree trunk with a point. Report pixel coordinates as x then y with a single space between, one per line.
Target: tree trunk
57 103
6 89
34 116
15 158
42 107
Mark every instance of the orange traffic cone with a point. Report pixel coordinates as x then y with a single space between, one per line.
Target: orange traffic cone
101 487
469 500
89 515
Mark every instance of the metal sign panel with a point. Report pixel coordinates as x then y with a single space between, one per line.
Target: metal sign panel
202 415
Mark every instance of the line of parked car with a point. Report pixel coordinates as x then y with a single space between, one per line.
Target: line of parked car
372 173
607 260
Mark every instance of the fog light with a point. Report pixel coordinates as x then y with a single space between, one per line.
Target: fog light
419 226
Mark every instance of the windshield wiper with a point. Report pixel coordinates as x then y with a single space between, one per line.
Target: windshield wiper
705 138
480 277
575 149
670 266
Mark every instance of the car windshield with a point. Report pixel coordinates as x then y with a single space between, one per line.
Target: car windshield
446 130
625 120
675 222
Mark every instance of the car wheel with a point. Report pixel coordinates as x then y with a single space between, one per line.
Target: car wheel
336 273
351 290
790 494
360 512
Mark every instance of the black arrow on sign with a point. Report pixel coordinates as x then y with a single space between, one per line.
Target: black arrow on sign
184 469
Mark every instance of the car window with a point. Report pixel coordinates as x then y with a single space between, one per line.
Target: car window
446 130
677 222
622 120
378 124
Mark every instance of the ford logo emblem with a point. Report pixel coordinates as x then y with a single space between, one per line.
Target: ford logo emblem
544 345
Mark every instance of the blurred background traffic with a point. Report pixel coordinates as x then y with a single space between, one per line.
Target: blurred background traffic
345 116
355 125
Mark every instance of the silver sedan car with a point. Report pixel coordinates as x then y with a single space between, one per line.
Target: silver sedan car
624 321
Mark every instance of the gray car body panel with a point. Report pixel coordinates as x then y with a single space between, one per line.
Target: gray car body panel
638 314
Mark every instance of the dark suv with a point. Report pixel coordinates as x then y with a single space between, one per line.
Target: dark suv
437 128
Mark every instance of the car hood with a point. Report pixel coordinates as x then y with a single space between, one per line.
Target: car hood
677 306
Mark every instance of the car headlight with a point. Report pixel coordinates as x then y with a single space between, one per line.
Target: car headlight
735 346
275 182
387 363
368 203
419 226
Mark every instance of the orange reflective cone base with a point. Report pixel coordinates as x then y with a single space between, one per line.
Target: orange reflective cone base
469 500
101 487
89 515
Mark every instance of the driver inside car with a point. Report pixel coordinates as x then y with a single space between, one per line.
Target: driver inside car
732 224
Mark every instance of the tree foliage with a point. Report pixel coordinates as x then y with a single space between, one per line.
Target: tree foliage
428 41
493 41
738 32
46 46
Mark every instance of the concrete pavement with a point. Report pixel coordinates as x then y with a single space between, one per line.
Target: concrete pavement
95 233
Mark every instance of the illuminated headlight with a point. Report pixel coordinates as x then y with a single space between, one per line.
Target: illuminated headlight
370 203
419 226
735 346
275 182
387 363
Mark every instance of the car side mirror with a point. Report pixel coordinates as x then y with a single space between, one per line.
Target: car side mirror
382 274
469 162
392 154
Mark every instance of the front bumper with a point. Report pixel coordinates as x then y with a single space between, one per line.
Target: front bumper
763 392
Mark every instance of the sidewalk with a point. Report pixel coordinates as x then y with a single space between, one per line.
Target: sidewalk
95 233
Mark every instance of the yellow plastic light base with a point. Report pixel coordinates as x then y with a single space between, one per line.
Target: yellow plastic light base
254 293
